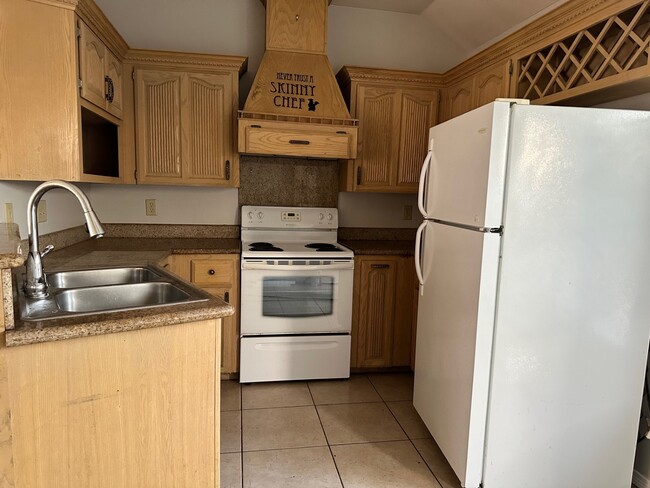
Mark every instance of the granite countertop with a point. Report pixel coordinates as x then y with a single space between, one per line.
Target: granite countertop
116 252
384 247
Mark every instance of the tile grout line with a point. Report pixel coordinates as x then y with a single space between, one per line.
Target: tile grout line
329 447
241 432
406 434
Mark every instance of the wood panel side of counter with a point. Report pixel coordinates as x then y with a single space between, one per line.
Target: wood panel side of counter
138 408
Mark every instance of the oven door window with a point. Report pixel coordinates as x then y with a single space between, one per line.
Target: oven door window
297 296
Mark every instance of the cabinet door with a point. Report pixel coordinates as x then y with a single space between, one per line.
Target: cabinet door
458 99
492 83
419 112
377 281
158 126
207 128
92 66
378 111
404 324
230 330
114 73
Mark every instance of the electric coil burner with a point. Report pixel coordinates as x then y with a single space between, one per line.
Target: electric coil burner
296 295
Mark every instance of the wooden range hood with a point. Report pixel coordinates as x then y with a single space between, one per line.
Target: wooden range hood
295 106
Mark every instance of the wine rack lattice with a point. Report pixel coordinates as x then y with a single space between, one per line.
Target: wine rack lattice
607 48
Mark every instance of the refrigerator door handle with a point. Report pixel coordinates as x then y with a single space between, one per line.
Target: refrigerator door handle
423 177
418 255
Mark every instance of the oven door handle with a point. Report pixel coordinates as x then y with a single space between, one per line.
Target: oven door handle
296 267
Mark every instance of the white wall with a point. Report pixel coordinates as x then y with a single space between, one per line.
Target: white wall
62 207
639 102
377 210
175 205
237 27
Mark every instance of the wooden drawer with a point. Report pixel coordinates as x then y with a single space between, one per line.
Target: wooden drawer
293 139
209 272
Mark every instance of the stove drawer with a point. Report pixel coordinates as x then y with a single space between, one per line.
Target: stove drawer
294 358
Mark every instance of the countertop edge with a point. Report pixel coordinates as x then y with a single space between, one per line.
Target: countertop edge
22 337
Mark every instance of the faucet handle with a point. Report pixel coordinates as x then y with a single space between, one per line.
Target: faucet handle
48 249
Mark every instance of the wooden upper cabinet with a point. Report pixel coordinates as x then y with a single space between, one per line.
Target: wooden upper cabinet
418 115
207 131
492 83
53 126
395 111
378 109
185 118
158 115
100 72
457 99
475 90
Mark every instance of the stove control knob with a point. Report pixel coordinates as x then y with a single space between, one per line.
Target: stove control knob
260 215
330 216
321 216
251 215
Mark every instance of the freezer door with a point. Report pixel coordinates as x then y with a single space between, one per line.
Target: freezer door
466 174
454 341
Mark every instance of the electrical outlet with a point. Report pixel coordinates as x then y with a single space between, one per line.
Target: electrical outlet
9 213
42 211
150 207
408 212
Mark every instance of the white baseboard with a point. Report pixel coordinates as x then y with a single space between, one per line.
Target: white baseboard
639 480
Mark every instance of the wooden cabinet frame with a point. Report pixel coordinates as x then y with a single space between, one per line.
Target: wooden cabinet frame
218 274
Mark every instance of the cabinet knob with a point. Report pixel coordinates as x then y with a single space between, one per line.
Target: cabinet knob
226 297
211 272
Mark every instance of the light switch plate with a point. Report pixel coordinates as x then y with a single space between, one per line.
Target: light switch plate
408 212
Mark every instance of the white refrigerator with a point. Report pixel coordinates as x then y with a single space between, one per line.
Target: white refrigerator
534 314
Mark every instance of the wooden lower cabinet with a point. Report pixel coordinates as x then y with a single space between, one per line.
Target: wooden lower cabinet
218 274
383 312
130 409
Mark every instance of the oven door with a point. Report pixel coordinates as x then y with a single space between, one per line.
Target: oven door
296 299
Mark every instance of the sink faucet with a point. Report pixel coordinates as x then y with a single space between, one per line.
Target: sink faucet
35 282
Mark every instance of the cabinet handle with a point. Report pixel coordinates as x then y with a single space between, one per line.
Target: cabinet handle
382 266
109 89
299 142
341 132
359 175
226 297
211 272
227 169
255 126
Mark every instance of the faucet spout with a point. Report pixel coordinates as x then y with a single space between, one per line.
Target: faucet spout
36 282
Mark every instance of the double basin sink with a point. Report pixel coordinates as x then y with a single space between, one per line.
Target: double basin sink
104 290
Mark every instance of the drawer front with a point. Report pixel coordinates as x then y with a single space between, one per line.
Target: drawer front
288 140
212 272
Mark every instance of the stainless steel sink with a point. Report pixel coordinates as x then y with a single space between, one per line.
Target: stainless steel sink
119 297
104 290
101 277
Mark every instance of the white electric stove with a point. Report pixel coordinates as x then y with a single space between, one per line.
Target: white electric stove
296 295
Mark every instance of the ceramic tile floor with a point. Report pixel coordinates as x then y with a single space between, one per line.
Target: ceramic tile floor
356 433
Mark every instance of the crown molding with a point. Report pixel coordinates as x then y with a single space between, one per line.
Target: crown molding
231 63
